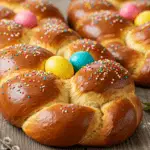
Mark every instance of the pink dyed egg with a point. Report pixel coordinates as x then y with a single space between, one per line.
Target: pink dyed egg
26 18
129 11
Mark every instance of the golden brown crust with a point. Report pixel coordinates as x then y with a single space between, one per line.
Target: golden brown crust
43 9
6 13
101 76
119 3
104 109
118 110
135 61
127 43
124 55
70 124
119 120
138 39
138 108
13 1
142 34
22 56
59 125
102 25
79 8
14 5
10 33
18 99
143 5
96 50
144 72
53 33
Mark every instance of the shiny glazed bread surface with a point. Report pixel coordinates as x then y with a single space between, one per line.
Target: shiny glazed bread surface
100 20
96 107
51 110
119 3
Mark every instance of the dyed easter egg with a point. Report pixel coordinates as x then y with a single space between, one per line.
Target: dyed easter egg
60 67
80 59
142 18
129 11
26 19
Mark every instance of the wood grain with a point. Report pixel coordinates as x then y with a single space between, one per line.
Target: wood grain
139 141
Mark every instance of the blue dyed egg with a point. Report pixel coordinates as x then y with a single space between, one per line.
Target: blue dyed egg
80 59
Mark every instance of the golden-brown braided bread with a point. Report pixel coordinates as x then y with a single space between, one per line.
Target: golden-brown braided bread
79 8
128 57
139 40
66 123
41 8
11 4
12 1
96 50
110 105
103 25
53 34
101 22
114 32
6 13
22 101
22 56
78 109
97 106
142 4
13 33
10 33
133 53
107 87
119 3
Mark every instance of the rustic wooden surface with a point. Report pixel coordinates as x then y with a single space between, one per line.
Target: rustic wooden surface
139 141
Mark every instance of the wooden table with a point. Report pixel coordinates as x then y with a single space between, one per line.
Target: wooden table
139 141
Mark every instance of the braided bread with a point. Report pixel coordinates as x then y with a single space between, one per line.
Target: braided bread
105 25
6 13
143 5
119 3
41 8
96 107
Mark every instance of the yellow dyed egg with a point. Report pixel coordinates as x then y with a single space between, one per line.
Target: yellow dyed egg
59 66
142 18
